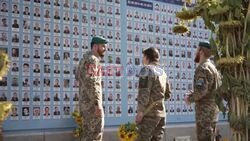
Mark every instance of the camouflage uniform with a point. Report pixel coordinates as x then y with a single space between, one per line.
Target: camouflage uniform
206 79
153 91
90 95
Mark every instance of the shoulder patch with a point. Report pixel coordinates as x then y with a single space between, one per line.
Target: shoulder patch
144 72
200 83
143 82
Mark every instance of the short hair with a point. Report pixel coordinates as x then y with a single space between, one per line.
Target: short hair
25 64
152 54
91 45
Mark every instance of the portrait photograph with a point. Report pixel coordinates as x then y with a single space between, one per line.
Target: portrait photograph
37 41
118 110
26 82
3 37
3 96
110 110
37 12
3 22
66 16
56 98
66 111
14 113
26 25
56 69
102 21
75 17
76 97
4 7
46 82
46 112
36 112
26 11
25 111
15 9
130 110
36 82
47 54
66 3
46 68
14 66
26 39
56 111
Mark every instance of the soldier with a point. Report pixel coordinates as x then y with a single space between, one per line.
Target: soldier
206 79
90 90
153 91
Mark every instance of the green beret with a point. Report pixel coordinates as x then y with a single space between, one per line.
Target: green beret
205 44
98 40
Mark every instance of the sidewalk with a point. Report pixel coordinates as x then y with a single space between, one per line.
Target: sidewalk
110 133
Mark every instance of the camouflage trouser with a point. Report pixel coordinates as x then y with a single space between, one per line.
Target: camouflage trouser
206 119
93 128
151 129
205 131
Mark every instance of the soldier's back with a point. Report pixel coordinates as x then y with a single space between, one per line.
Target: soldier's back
158 91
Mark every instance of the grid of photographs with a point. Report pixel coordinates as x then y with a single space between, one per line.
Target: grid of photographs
45 41
154 29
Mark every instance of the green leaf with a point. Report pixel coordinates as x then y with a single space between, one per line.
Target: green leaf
207 19
247 39
237 13
218 10
214 46
235 3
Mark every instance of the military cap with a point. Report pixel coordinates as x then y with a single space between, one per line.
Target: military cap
205 44
98 40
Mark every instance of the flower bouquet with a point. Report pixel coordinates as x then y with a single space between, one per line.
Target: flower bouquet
78 131
127 132
5 108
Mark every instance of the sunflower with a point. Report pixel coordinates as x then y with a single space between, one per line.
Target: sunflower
230 61
78 132
180 29
186 14
130 135
5 108
4 64
122 135
75 114
121 132
231 24
127 132
78 120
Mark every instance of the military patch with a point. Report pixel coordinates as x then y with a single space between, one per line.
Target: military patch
200 83
144 72
143 82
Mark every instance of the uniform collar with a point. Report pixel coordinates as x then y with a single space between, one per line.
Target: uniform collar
207 60
91 54
153 64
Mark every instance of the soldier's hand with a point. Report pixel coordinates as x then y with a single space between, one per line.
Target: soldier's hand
139 117
189 92
186 100
98 111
